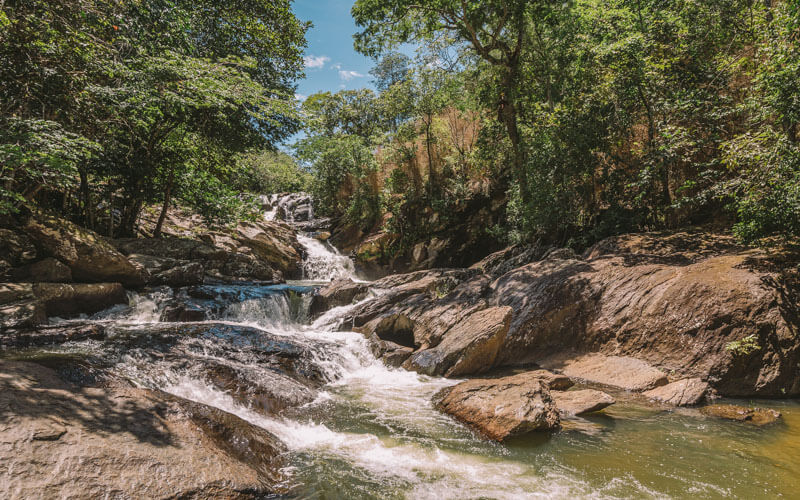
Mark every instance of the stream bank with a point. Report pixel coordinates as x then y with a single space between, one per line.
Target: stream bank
265 389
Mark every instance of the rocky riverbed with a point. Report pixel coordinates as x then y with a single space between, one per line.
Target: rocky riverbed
187 367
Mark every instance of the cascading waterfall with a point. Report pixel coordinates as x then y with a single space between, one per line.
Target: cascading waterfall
365 430
323 262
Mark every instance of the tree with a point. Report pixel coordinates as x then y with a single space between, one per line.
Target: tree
495 30
391 69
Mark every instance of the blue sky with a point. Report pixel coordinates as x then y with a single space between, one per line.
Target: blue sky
331 62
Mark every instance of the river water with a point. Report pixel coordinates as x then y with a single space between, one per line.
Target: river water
371 431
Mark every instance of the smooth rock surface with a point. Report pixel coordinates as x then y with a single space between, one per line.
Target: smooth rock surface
501 408
338 293
614 371
578 402
686 392
89 257
469 347
58 440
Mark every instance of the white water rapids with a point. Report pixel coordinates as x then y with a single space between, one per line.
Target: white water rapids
369 431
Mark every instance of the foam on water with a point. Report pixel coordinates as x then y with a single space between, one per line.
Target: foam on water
323 262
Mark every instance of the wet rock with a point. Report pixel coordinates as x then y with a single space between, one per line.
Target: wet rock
264 390
46 270
184 313
89 257
614 371
756 416
61 299
338 293
578 402
23 314
686 392
469 347
60 441
501 408
392 354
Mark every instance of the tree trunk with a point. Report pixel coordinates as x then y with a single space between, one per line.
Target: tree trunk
167 199
508 114
431 169
88 212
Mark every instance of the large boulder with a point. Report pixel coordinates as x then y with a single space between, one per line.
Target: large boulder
62 441
169 271
252 251
27 305
45 270
620 372
718 312
501 408
89 257
682 314
338 293
686 392
62 299
469 347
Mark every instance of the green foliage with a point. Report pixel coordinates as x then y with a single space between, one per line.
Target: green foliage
743 347
270 172
122 102
614 115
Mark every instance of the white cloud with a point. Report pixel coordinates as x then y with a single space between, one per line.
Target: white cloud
349 75
337 66
315 62
300 97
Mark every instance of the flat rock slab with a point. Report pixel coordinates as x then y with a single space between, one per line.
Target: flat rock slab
756 416
622 372
570 403
62 441
686 392
501 408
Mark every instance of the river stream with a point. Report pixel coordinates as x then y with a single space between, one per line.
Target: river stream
371 431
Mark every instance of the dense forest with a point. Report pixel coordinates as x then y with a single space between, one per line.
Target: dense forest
574 120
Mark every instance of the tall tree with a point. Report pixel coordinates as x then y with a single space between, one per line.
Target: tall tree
495 30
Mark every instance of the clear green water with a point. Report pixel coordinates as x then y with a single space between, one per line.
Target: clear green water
401 448
373 433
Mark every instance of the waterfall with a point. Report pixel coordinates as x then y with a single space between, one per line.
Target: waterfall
323 262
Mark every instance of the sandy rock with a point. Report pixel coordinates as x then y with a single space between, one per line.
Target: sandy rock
614 371
501 408
338 293
578 402
61 441
686 392
756 416
469 347
88 255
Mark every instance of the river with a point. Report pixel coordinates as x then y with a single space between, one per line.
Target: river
370 431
